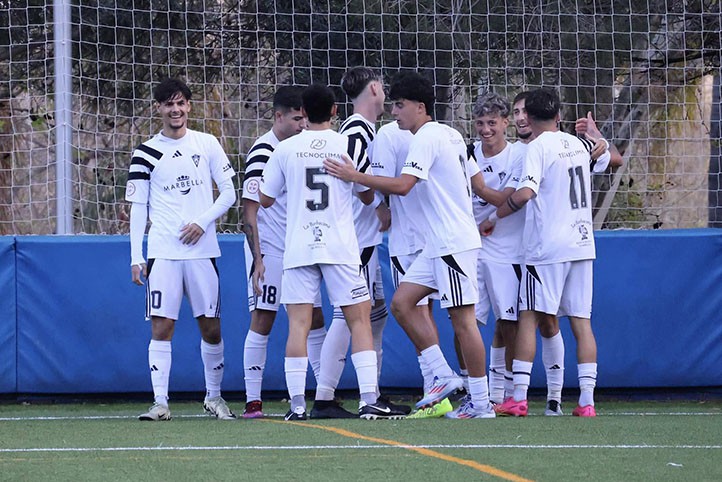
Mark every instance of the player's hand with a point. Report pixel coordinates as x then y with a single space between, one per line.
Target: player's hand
190 233
138 270
384 214
586 125
259 272
486 227
344 170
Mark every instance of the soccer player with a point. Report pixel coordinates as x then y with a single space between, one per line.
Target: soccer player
321 243
559 246
438 168
365 89
265 232
500 163
171 182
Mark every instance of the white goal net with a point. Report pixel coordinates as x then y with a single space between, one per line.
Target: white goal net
648 70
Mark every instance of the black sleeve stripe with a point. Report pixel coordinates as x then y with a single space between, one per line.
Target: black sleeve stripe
470 151
258 159
150 151
260 146
356 126
253 173
140 161
587 143
365 165
138 175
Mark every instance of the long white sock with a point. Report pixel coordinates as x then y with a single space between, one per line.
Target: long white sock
496 373
295 368
479 391
553 359
508 384
426 373
333 357
365 364
522 377
314 344
587 373
159 361
464 374
379 315
212 356
436 362
254 363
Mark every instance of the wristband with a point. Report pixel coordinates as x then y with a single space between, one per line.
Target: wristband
493 218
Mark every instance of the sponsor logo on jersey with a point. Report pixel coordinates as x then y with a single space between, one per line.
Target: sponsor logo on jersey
227 167
130 188
317 234
584 232
413 165
252 186
565 144
318 144
196 159
488 169
528 178
184 183
317 228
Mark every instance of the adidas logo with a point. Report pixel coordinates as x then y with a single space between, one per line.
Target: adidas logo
444 298
555 367
488 169
154 368
254 368
510 311
177 154
219 367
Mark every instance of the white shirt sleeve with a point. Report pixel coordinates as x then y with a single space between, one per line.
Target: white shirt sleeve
226 198
138 222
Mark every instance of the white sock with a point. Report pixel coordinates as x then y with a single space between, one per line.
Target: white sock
587 373
553 359
496 373
365 364
426 373
159 361
464 374
379 315
295 368
479 391
508 384
436 362
314 343
333 356
212 356
254 363
522 377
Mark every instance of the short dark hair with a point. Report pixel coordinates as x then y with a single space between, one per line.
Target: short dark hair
413 86
542 104
287 97
168 88
356 79
491 103
318 101
521 96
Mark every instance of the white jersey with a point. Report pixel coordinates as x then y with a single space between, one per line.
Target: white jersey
271 221
559 225
500 172
366 222
437 156
174 177
320 218
390 149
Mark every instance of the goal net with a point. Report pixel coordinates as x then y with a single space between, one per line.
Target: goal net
648 71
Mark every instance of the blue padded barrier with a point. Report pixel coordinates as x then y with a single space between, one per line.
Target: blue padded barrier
8 316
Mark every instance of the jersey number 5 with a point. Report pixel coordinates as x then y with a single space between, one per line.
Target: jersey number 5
312 184
576 202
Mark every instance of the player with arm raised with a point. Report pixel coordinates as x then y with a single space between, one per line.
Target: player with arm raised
265 230
321 244
559 247
171 182
438 168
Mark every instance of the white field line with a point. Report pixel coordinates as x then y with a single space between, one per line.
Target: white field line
280 415
351 447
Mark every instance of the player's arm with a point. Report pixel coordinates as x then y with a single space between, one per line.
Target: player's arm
138 194
387 185
192 232
586 125
367 196
250 228
138 222
515 202
488 194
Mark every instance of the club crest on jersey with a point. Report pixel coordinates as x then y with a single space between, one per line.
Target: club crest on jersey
130 188
252 186
318 144
196 159
565 144
502 175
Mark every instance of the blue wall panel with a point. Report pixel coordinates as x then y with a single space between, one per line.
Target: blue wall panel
80 324
8 316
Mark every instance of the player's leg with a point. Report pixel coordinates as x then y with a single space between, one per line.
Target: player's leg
316 339
553 360
164 291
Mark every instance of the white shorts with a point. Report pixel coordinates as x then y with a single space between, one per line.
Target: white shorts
168 280
399 266
454 276
561 289
270 298
501 282
371 269
345 284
